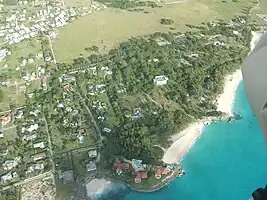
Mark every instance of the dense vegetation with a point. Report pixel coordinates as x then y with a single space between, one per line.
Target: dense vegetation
195 63
126 4
166 21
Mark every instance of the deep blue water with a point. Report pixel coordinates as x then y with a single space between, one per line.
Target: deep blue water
228 162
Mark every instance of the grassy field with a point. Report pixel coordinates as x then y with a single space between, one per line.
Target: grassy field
109 27
14 95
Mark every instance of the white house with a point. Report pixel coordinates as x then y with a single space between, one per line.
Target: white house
160 80
39 145
107 130
92 154
6 177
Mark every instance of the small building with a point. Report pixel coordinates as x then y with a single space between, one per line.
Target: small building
158 173
39 145
38 156
138 178
3 151
6 177
120 166
160 80
164 171
44 82
92 153
91 166
19 114
68 176
29 137
5 119
33 127
10 164
144 175
35 167
107 130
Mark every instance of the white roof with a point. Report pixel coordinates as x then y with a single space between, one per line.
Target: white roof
39 145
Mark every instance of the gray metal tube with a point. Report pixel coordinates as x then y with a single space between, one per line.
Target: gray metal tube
254 72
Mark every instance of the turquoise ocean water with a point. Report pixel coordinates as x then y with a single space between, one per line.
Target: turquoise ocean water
227 162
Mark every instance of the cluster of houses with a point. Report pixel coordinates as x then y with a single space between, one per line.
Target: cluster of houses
26 23
4 53
29 132
141 170
68 175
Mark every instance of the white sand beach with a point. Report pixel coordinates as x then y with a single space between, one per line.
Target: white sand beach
180 147
226 99
184 140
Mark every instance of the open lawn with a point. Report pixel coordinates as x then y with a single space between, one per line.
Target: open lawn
23 50
10 133
14 95
64 191
76 3
109 27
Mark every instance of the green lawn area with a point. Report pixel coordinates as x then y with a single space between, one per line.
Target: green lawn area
64 191
109 27
23 50
58 139
10 133
13 95
112 120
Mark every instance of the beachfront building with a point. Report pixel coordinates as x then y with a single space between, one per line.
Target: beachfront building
140 176
161 171
158 173
121 166
161 80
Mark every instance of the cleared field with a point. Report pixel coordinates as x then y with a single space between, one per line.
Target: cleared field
74 3
10 133
109 27
14 95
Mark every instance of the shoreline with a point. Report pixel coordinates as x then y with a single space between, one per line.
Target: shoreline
183 141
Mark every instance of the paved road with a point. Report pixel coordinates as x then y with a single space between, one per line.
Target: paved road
51 47
28 180
50 150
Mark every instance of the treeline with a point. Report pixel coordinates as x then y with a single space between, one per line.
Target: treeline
127 4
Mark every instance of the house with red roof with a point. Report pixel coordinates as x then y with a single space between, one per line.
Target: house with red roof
164 171
66 88
158 173
120 166
5 119
43 82
144 175
138 178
